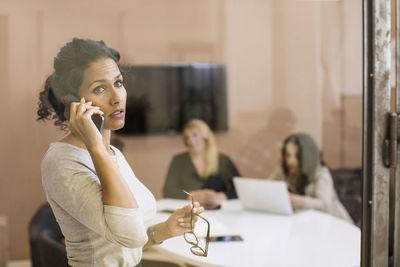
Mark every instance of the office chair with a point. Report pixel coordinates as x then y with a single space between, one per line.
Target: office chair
52 250
353 205
347 182
45 239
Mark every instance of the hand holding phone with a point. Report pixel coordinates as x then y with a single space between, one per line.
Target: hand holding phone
97 119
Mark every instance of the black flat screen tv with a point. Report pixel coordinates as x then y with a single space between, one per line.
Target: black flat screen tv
162 98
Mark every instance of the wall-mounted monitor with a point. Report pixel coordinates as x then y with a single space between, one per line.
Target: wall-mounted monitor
162 98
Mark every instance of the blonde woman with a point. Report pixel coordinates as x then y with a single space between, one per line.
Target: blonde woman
202 169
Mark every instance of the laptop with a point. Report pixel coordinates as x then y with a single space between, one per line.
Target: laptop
269 196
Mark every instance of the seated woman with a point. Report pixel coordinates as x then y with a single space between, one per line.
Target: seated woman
202 169
308 179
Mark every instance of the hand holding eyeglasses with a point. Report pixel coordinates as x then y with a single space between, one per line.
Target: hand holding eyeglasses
191 237
180 221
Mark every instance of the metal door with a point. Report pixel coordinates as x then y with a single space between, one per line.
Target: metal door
380 136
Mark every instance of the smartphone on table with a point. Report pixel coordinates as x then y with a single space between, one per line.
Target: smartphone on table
97 119
225 238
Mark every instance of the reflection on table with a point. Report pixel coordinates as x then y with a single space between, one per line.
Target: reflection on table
307 238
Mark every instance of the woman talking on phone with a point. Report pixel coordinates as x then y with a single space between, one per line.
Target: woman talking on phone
102 208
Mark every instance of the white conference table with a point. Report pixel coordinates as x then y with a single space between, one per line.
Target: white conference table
307 238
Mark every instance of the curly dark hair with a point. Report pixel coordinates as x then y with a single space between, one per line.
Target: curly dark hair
69 65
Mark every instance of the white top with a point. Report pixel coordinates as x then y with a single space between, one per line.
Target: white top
95 234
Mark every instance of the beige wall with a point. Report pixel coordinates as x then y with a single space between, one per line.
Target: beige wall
292 66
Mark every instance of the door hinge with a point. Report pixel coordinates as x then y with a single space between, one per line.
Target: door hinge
390 144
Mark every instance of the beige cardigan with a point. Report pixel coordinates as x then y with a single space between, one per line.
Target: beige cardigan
320 193
95 234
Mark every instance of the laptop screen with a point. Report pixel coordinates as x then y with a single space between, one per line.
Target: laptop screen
269 196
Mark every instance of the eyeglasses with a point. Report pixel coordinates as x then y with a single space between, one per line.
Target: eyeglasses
191 238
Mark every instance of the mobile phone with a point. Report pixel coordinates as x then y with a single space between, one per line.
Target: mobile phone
97 119
224 238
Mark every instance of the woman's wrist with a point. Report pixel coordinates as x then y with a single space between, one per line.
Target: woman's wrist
96 148
158 233
151 233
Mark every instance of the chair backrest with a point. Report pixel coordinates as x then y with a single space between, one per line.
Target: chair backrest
43 221
347 182
52 251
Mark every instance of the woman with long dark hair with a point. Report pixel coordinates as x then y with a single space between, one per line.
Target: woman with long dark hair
308 179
